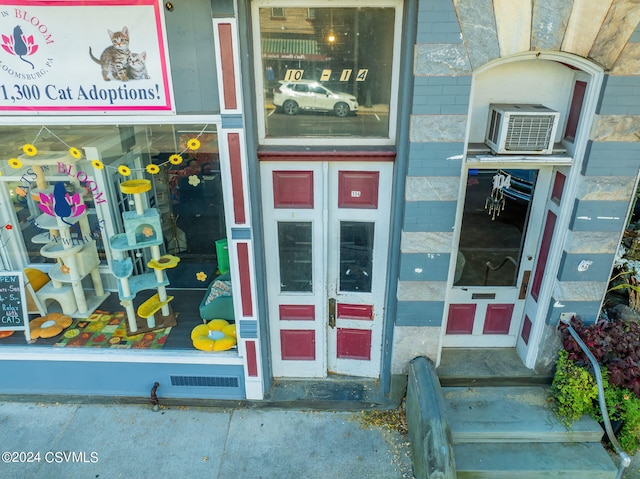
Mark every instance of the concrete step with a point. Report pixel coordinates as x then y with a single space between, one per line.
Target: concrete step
533 461
487 367
510 414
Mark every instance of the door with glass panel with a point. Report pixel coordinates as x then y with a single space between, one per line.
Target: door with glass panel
326 237
497 246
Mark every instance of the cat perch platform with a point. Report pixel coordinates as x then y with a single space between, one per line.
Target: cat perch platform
142 230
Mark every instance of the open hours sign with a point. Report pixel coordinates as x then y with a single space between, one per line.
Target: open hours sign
13 309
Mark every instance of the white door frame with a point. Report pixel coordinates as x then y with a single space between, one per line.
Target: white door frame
324 218
503 294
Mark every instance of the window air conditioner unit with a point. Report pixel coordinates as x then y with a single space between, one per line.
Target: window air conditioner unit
521 129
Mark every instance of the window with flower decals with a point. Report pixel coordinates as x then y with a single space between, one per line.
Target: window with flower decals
327 71
83 209
70 176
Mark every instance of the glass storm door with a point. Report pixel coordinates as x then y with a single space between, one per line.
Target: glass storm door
326 237
498 241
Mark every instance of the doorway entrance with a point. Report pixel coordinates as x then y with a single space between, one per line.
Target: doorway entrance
499 234
326 235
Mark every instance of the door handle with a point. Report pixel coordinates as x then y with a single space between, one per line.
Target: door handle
332 313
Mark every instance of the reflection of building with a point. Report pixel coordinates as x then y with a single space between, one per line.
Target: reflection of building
370 208
303 50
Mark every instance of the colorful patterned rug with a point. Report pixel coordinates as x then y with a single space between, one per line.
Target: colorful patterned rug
109 330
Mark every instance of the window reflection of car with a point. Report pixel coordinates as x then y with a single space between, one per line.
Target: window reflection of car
292 97
522 183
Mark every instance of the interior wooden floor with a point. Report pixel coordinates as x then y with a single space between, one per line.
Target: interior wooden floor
186 304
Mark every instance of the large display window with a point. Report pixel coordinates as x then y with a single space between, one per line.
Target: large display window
327 71
120 231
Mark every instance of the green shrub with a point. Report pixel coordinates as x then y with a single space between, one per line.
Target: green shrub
573 390
574 393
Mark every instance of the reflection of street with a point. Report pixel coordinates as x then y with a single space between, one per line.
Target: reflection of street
367 123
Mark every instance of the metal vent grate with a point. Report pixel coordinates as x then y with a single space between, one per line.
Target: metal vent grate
529 133
204 381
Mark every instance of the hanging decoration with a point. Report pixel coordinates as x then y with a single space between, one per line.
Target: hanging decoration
31 150
494 203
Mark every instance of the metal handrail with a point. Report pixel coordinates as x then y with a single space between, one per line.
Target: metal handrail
489 266
625 460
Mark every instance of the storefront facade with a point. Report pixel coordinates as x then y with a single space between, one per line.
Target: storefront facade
358 168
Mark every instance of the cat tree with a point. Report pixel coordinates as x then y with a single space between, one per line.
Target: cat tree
76 257
142 230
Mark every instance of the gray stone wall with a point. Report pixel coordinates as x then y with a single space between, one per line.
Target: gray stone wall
605 190
455 38
438 122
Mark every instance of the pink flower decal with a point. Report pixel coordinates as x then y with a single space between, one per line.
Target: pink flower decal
46 203
19 44
8 44
74 202
77 206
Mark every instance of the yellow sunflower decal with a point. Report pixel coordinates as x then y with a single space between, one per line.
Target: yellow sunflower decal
193 144
97 164
15 163
153 169
175 159
201 276
124 170
75 152
30 150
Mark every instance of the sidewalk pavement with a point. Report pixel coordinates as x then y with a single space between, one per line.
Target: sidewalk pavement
633 471
105 441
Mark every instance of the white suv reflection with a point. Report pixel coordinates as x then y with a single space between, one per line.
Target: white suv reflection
311 95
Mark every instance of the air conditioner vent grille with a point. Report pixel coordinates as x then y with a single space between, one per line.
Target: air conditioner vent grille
521 129
529 133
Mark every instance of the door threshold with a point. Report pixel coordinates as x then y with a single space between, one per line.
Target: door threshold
336 392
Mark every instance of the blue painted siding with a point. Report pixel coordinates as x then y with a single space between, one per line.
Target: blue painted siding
437 22
429 216
122 379
431 267
232 121
621 96
446 95
193 70
599 215
241 233
611 158
222 8
586 310
419 313
598 270
430 159
248 328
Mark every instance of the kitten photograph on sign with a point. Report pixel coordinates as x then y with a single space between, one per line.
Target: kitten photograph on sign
118 62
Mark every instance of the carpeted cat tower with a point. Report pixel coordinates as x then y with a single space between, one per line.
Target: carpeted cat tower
142 230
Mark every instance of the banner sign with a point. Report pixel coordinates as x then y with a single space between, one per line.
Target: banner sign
86 56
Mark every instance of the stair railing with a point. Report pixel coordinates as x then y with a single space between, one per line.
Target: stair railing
625 460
